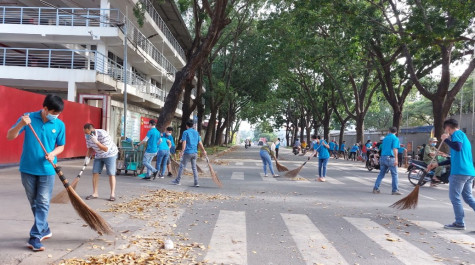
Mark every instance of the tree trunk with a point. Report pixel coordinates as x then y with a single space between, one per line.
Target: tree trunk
210 128
187 108
360 128
397 119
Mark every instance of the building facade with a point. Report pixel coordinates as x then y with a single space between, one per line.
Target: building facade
94 52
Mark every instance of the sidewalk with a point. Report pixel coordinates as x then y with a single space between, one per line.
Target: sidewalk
71 236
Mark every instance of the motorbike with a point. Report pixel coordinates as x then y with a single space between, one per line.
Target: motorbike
373 160
295 150
416 168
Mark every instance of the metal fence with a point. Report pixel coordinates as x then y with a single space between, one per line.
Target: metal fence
89 17
78 60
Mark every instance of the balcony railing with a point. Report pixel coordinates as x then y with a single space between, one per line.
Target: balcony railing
76 59
163 27
88 17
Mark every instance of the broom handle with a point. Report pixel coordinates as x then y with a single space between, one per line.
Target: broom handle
57 169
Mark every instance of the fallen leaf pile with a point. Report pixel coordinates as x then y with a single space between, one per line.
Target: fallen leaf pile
220 162
138 207
299 179
146 245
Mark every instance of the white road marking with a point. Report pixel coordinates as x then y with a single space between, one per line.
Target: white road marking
268 178
361 180
465 241
237 176
228 244
312 244
239 164
398 247
333 180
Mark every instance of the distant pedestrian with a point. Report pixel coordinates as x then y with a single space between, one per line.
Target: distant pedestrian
462 171
388 160
323 156
342 149
265 154
353 151
277 146
401 154
37 173
98 141
152 138
191 140
332 147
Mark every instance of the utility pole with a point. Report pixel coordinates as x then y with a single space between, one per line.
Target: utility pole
125 73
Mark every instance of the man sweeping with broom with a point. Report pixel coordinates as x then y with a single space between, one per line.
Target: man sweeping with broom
37 173
462 171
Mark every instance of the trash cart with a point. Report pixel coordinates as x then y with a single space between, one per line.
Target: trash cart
130 158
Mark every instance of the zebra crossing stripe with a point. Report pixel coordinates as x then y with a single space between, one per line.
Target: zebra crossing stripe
333 181
361 180
258 164
228 243
237 176
239 164
399 248
312 244
462 240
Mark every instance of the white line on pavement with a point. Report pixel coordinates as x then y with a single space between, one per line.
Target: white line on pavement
271 178
462 240
333 181
237 176
312 244
398 247
360 180
228 243
239 164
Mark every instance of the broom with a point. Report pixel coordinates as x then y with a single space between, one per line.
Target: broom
410 201
63 197
175 166
214 177
95 221
293 173
280 167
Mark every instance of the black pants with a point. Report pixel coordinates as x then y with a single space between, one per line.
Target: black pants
277 153
352 154
399 159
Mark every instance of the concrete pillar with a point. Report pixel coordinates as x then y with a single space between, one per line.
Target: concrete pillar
105 13
72 91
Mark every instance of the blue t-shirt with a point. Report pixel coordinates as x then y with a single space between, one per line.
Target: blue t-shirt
342 147
389 143
51 133
192 139
461 161
277 145
400 150
354 148
152 142
336 147
369 145
332 146
322 150
163 143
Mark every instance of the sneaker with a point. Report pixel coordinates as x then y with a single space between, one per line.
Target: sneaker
396 193
47 234
265 175
276 176
170 174
155 175
174 182
147 177
376 191
454 226
161 176
196 185
35 244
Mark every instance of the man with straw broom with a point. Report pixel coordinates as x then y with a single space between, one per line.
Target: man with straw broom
190 141
37 173
389 160
462 171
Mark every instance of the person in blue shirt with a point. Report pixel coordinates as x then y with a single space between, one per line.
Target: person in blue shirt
389 160
401 153
336 152
332 146
191 140
342 149
277 146
353 151
323 155
37 173
163 154
169 135
462 171
152 139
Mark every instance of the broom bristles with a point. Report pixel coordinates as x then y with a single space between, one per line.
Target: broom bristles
175 167
214 177
408 202
95 221
63 197
200 170
294 172
280 167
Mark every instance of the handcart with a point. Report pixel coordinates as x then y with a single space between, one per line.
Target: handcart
130 157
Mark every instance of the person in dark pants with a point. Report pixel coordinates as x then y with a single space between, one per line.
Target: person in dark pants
37 173
277 146
462 171
321 146
389 149
401 153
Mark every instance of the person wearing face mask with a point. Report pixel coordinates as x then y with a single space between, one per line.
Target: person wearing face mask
37 173
152 139
462 171
430 151
99 142
169 137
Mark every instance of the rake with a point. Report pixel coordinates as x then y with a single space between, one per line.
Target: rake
94 220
